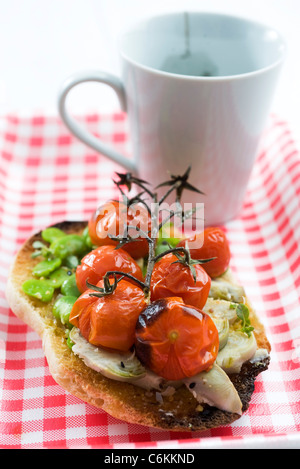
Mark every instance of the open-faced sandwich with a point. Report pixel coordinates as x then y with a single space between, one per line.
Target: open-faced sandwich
138 320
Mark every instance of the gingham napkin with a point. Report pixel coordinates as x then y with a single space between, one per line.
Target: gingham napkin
47 176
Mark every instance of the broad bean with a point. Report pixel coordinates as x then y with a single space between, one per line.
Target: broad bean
52 233
69 245
44 268
39 289
63 307
69 287
57 278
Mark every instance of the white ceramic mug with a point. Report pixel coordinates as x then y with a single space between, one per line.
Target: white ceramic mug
197 88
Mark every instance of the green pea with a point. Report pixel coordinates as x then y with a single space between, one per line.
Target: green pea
50 234
69 287
44 268
57 278
62 309
69 245
87 238
39 289
71 261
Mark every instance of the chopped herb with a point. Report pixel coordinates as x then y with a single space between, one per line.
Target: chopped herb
242 313
70 343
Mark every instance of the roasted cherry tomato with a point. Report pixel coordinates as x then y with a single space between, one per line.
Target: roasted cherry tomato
170 278
110 219
96 263
109 321
212 242
175 340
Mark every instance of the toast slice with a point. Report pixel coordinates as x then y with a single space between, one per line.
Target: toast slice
179 412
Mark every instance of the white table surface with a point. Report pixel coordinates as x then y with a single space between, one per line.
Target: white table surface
42 43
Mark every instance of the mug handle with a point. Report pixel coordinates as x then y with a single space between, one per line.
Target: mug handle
78 130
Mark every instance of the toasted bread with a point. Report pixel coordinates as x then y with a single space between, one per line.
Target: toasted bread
179 412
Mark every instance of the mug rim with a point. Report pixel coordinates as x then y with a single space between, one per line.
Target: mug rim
238 76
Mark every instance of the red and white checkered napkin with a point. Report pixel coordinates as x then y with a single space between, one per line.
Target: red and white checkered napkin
47 176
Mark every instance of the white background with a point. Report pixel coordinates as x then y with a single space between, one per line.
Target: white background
45 41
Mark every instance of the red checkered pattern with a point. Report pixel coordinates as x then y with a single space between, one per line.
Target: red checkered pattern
47 176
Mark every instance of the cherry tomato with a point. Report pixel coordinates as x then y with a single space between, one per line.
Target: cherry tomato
109 321
175 279
212 242
110 219
96 263
175 340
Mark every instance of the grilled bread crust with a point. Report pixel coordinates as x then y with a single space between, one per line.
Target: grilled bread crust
179 412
